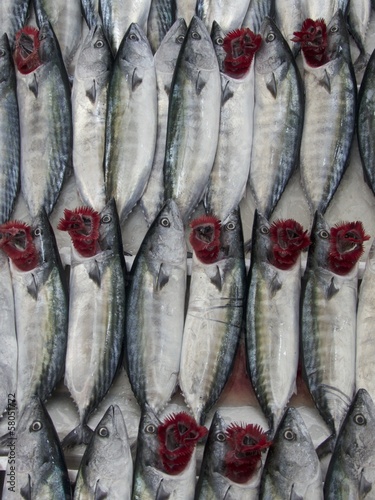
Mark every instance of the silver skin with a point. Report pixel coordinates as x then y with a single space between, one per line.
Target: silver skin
39 464
272 343
292 467
150 481
351 471
96 322
155 310
131 121
165 64
118 15
161 17
359 13
213 321
228 14
9 132
257 11
41 312
230 171
278 115
186 9
289 18
90 11
314 9
45 126
193 120
328 332
330 110
13 16
89 108
106 466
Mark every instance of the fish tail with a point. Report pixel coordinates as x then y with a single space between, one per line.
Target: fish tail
81 434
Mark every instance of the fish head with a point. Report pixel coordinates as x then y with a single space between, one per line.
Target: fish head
320 242
231 236
26 54
148 443
44 238
82 224
111 436
135 49
6 69
217 37
48 44
240 47
109 228
216 445
346 246
261 244
314 40
16 240
95 58
337 37
273 51
197 49
289 239
166 55
205 238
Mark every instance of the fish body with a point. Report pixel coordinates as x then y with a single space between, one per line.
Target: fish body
9 132
292 468
131 121
351 471
106 466
96 322
228 14
278 115
193 120
165 64
256 12
213 321
89 108
45 126
13 15
288 18
90 11
155 310
318 10
359 14
161 17
38 464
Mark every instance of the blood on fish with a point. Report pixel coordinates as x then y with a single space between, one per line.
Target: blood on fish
178 436
205 238
16 240
288 240
26 54
240 46
243 459
346 246
314 41
82 224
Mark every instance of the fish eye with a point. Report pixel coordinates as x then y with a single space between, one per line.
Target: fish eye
180 39
270 37
219 40
106 219
42 35
103 432
334 29
164 221
195 35
230 226
150 429
133 37
289 435
264 230
38 232
36 426
99 44
220 436
359 419
323 234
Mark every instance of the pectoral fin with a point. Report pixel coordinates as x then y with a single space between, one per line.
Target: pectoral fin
162 279
91 92
25 491
99 493
272 86
136 79
326 82
200 83
364 486
33 86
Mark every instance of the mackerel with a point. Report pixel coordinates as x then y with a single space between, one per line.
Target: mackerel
257 11
315 9
193 120
90 11
155 310
131 121
165 63
288 18
89 108
359 14
13 16
161 17
228 14
278 115
9 132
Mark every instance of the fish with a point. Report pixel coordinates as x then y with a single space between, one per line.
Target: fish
328 319
214 311
36 466
43 93
155 310
272 313
185 9
9 132
278 115
350 471
165 463
288 18
13 16
330 108
193 120
165 62
161 17
230 171
90 12
131 123
366 123
89 109
314 9
106 467
292 468
229 15
256 12
96 310
40 304
359 14
232 461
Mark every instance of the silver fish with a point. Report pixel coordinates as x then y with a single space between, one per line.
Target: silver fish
106 468
13 16
289 18
229 14
9 132
351 470
292 468
90 11
278 115
36 468
161 17
359 13
89 108
193 120
314 9
131 121
257 11
155 310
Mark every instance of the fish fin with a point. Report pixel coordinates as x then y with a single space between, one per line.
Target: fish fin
217 279
32 288
326 446
200 83
33 86
95 274
99 493
274 284
162 278
136 79
161 494
272 85
332 289
81 434
294 495
167 89
226 94
364 485
25 491
91 92
325 82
